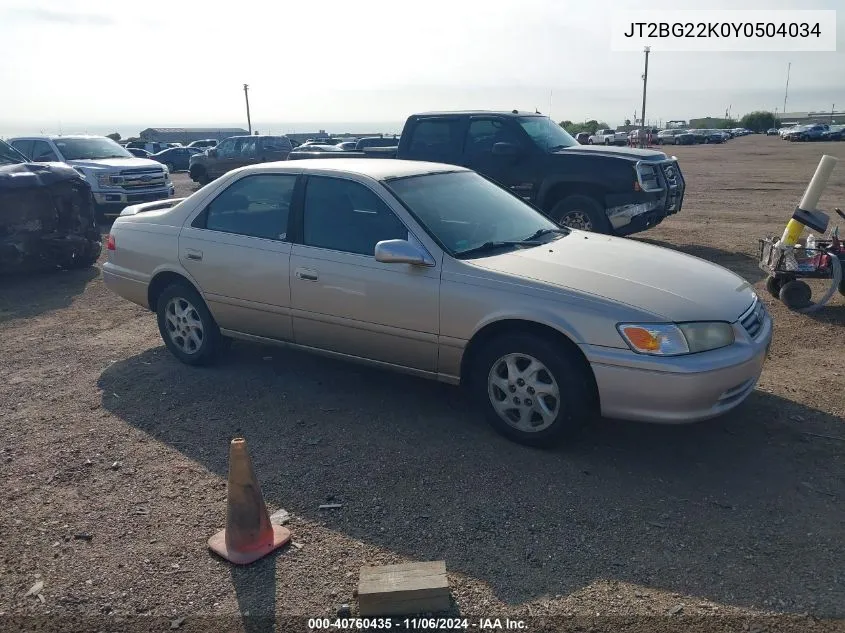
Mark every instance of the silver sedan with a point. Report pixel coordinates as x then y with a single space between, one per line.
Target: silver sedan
433 270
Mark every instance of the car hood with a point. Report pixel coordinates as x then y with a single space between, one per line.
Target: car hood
112 164
672 286
615 151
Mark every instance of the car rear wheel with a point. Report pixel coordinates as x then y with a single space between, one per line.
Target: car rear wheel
186 326
533 392
581 212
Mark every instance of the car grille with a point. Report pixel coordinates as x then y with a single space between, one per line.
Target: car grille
675 185
753 318
140 179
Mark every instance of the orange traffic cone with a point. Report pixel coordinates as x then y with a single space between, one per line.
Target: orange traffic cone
249 535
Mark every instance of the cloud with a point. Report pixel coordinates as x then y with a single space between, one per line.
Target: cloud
39 14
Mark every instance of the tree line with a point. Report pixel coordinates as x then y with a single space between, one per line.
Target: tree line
757 121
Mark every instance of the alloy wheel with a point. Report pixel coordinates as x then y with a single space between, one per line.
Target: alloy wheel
523 392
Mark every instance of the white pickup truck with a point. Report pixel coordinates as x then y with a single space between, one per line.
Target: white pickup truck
608 137
117 178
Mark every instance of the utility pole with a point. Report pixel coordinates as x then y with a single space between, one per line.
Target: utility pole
248 120
832 110
786 91
647 50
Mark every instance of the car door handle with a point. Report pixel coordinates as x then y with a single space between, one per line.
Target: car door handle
307 274
192 253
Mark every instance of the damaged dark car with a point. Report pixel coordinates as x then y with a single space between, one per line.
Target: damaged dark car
46 216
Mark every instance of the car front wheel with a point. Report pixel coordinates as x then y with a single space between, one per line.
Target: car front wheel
533 392
186 326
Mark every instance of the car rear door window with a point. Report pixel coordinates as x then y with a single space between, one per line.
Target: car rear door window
346 216
255 206
437 140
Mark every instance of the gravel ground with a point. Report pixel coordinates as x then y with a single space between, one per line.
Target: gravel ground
115 460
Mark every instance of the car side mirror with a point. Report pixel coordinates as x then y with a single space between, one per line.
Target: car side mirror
402 252
505 149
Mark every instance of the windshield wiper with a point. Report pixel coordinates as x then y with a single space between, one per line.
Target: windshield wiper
492 246
542 232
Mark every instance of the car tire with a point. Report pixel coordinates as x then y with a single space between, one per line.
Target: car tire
171 168
581 212
796 294
773 286
561 373
842 287
200 175
589 141
186 325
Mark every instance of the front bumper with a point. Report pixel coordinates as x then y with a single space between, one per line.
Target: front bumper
682 389
113 202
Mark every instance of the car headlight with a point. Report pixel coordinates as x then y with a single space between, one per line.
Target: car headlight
109 180
670 339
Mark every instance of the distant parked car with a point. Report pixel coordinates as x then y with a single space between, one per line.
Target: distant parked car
376 141
347 146
835 133
772 131
675 137
138 152
176 158
708 136
807 132
582 138
151 146
237 151
204 143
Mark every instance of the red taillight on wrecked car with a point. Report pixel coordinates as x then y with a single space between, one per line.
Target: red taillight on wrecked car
110 244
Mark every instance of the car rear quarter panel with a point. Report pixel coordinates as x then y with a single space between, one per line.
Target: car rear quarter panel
142 250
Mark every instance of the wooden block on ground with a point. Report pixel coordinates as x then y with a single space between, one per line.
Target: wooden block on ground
403 589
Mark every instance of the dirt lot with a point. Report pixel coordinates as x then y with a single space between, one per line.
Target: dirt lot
114 458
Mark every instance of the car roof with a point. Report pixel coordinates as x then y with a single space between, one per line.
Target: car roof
478 112
376 168
56 137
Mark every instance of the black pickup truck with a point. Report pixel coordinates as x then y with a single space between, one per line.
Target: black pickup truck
615 190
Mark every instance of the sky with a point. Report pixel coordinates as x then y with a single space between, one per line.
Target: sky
99 66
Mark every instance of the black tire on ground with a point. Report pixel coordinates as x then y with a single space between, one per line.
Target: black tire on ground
200 175
209 347
573 378
842 287
796 294
170 167
773 286
589 141
582 212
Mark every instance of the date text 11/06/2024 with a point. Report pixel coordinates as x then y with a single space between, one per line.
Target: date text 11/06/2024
417 624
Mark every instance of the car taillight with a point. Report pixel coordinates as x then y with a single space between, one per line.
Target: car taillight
110 244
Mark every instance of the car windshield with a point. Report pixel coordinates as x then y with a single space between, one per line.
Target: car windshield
463 211
90 148
9 155
547 134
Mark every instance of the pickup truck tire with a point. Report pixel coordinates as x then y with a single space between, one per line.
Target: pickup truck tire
200 175
581 212
186 326
607 141
513 396
171 168
589 141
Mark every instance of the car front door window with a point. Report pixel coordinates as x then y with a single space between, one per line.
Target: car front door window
226 149
346 216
